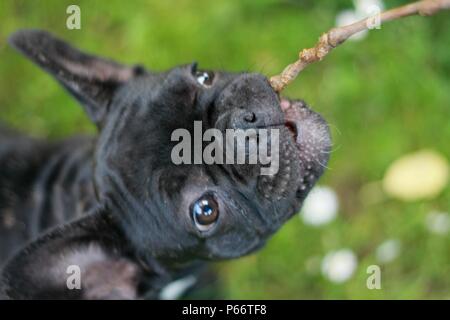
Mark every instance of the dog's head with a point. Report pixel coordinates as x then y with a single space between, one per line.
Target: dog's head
182 211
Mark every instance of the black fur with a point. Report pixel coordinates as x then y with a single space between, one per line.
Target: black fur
116 205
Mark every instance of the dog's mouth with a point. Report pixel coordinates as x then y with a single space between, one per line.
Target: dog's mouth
292 127
308 128
292 117
303 157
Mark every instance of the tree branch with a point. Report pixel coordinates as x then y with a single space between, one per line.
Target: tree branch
331 39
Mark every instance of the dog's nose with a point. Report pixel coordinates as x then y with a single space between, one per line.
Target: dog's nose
249 102
250 117
245 119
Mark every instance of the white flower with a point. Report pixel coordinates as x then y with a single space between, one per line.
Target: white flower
363 9
347 17
438 222
320 206
339 266
367 6
388 251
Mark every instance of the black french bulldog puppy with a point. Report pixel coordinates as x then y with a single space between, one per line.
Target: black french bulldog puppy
117 206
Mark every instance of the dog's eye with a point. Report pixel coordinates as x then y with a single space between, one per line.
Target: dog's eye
205 78
205 212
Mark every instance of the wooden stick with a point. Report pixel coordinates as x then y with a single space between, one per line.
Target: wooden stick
331 39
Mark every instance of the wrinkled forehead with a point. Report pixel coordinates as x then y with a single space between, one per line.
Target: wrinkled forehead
175 88
137 141
187 183
191 180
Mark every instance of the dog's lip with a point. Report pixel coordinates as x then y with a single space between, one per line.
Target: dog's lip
292 117
292 127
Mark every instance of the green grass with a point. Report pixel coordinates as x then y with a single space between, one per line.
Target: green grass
384 96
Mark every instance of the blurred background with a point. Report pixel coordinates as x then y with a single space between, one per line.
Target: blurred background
384 200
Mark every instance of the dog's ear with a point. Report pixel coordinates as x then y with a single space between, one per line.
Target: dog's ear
92 80
81 260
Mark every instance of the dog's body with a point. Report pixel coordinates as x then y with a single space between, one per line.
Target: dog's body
116 206
48 184
43 185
